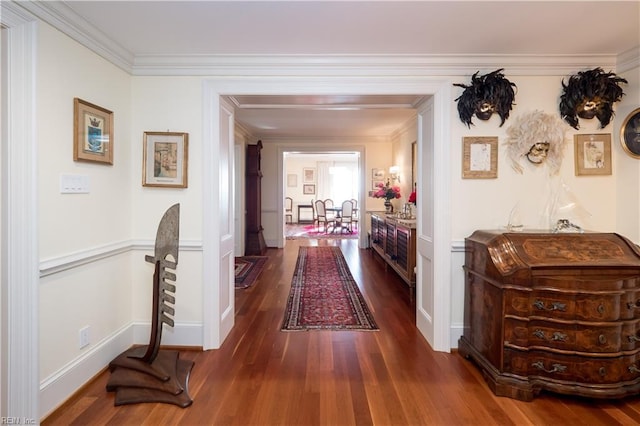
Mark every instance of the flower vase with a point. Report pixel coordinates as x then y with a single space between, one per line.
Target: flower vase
388 207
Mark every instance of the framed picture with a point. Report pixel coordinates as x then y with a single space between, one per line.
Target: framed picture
376 184
630 134
308 175
480 157
592 154
414 163
292 180
165 159
308 189
377 174
92 133
377 177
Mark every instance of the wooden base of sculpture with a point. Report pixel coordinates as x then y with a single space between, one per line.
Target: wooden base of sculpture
146 373
165 380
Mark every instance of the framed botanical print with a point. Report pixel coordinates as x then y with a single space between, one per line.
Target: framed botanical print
480 157
308 189
592 154
377 178
92 133
165 159
308 175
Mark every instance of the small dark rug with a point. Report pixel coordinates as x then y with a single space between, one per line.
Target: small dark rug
324 294
247 269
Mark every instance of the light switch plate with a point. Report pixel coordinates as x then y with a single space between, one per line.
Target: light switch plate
74 184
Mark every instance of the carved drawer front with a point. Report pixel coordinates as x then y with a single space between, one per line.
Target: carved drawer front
579 306
566 335
630 335
517 302
630 305
525 334
573 368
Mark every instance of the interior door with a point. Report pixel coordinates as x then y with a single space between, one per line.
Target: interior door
219 301
426 208
433 262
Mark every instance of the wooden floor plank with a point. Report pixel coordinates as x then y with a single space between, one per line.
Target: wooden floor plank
264 376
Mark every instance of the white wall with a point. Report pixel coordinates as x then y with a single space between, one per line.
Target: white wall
402 151
75 227
627 168
491 200
164 104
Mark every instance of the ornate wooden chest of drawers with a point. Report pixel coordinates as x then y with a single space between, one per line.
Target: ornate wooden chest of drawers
555 312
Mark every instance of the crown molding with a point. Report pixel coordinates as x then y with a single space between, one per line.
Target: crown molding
63 18
628 60
379 65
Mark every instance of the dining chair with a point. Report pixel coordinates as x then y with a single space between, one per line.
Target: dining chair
354 215
288 210
328 203
346 218
322 217
314 215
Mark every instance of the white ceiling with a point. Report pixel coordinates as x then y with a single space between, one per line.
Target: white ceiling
347 28
366 27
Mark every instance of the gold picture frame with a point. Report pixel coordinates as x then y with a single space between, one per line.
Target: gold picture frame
480 157
592 154
630 133
92 133
165 159
308 175
308 189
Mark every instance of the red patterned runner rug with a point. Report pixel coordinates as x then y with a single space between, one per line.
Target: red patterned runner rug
324 294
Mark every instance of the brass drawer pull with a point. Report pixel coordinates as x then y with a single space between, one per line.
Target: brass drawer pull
556 336
633 369
555 306
634 338
601 309
555 368
632 305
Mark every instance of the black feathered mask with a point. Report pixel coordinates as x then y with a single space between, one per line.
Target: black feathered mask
487 94
590 94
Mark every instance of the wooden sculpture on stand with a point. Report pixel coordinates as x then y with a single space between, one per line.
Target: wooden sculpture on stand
148 373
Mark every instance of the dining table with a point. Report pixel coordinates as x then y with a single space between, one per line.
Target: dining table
338 211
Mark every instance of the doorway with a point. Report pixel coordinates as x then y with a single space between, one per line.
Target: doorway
315 175
433 302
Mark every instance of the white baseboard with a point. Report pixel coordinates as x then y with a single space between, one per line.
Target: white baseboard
60 386
183 334
57 388
271 243
456 331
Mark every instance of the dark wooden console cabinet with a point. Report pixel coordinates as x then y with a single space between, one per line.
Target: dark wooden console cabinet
554 312
395 241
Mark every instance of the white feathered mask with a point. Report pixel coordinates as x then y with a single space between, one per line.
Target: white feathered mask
538 138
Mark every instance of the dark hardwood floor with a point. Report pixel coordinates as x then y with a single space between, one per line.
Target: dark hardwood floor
263 376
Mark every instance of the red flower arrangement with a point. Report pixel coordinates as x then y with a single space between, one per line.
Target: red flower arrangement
413 197
386 191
